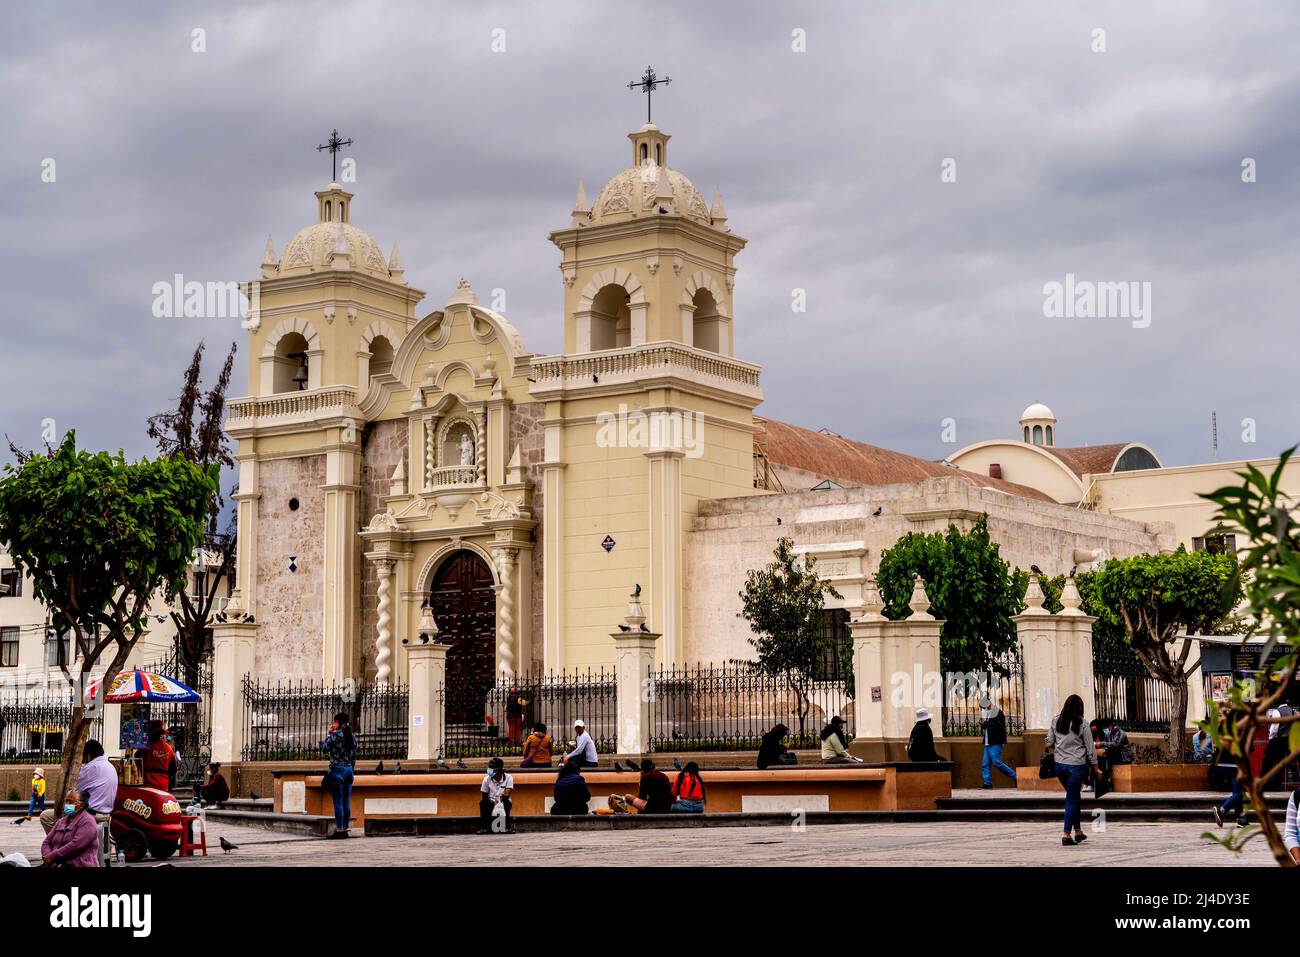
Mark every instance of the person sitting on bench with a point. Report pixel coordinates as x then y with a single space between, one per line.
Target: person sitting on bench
772 752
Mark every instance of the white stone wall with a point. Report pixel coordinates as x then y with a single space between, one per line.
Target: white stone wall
733 535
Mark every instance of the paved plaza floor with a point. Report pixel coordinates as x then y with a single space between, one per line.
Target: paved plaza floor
922 845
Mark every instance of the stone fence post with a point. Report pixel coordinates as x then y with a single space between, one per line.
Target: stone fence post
1056 655
234 650
634 657
426 676
895 672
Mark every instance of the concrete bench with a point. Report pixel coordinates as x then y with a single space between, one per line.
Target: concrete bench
785 790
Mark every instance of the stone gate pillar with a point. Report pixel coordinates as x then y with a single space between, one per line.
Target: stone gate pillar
426 674
895 672
634 657
234 648
1056 655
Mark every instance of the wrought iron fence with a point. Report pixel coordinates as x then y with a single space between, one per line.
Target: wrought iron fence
288 721
729 707
1003 684
190 724
34 728
484 719
1123 690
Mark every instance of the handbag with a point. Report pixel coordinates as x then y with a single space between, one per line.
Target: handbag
1047 766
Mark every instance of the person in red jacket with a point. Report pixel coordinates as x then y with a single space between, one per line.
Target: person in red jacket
159 759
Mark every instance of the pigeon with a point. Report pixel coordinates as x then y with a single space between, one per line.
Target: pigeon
876 513
227 846
778 520
221 617
645 627
595 378
1035 569
249 620
460 763
379 768
619 768
1074 571
253 795
637 592
624 627
441 763
677 764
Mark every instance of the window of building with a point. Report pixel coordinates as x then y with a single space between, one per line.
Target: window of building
11 583
9 647
1038 435
1215 544
58 649
835 640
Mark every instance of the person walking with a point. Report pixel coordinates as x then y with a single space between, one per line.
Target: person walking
496 789
993 722
920 744
537 748
1234 806
835 746
1070 744
571 794
341 744
73 841
37 803
688 791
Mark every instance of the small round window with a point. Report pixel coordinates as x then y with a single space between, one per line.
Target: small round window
293 505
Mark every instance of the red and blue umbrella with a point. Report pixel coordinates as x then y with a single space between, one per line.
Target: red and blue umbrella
137 685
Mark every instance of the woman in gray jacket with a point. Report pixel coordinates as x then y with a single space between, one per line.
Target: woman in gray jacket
1070 743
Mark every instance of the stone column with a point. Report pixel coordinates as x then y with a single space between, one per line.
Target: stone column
384 626
664 483
426 673
919 641
506 657
869 678
634 658
342 570
234 646
1055 654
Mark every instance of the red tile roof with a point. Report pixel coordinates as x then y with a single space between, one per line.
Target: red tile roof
1088 459
856 463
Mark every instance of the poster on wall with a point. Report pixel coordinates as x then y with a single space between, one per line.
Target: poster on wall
1219 685
135 726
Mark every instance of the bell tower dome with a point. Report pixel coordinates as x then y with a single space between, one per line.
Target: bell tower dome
649 261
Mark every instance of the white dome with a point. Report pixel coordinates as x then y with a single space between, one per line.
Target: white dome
313 246
1037 412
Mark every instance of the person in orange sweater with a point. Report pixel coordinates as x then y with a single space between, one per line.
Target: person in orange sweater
159 759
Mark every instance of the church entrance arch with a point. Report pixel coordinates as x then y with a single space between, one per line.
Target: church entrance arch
462 596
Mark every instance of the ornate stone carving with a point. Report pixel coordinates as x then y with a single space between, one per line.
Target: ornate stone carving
384 640
505 561
383 522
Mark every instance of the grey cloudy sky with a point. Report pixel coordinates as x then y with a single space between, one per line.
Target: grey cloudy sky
925 299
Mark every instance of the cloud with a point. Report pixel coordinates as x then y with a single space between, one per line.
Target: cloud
924 297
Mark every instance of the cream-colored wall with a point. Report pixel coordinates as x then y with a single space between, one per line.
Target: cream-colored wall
731 536
1172 494
1023 464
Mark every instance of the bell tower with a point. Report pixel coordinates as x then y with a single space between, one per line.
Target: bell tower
647 412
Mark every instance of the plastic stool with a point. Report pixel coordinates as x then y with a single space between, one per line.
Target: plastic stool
188 844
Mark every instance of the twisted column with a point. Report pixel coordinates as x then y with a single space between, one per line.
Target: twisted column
505 558
384 645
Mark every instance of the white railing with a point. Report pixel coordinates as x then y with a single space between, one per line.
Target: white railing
454 476
643 360
282 405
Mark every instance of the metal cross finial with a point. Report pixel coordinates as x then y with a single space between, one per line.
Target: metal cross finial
335 144
647 86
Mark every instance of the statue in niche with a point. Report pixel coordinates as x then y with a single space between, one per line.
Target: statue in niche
466 449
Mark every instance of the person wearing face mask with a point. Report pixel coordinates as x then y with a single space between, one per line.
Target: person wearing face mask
74 839
496 789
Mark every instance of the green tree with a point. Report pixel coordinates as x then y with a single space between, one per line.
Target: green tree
971 588
99 537
1157 599
783 604
1269 574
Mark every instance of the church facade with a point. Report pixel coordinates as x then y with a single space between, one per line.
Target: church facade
392 458
389 459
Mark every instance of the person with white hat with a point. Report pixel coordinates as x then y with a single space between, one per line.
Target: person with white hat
37 803
584 749
920 746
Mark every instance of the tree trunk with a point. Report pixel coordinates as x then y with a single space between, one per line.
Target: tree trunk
1178 721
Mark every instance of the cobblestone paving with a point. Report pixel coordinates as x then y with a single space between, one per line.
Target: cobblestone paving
922 845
